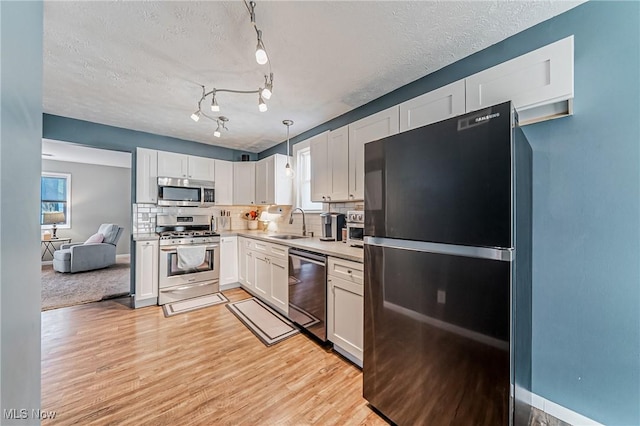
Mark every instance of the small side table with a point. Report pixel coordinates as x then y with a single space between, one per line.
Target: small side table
49 246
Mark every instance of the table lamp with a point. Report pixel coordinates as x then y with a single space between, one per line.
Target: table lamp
53 218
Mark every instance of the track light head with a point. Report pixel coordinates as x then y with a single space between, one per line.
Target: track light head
196 116
268 87
214 103
262 107
261 53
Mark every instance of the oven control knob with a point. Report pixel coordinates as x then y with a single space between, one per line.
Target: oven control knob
359 217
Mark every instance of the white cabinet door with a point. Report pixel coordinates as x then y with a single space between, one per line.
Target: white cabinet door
263 276
283 185
279 295
171 164
437 105
224 182
146 275
338 164
146 176
228 260
379 125
540 83
250 261
201 168
345 312
272 185
242 261
320 167
264 181
244 183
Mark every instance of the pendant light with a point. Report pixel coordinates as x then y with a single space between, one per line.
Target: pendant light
288 170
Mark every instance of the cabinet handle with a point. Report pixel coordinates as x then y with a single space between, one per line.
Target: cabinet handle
349 271
323 197
329 198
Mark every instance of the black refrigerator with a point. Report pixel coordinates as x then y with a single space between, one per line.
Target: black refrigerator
447 337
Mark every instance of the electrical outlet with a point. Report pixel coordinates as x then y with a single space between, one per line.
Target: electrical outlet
442 296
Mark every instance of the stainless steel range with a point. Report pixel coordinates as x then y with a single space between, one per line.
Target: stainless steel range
183 239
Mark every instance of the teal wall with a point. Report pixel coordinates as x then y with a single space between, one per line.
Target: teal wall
586 214
20 148
119 139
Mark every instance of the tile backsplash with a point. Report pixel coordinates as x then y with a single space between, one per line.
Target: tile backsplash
144 216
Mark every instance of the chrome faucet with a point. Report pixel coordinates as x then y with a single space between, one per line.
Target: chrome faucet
304 223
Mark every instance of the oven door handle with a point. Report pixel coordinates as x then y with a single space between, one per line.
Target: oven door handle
173 250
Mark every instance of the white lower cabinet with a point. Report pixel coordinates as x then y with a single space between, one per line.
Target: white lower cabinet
146 284
345 308
264 272
228 262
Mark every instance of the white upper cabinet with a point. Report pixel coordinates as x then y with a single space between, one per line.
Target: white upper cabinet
330 166
540 83
171 164
382 124
437 105
244 183
146 175
201 168
224 182
272 186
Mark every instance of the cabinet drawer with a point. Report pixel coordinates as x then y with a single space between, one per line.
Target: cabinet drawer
277 251
261 246
345 269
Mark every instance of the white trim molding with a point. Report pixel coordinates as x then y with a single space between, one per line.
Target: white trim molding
557 410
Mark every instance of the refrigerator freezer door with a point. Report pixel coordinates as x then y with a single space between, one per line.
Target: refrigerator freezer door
437 337
449 182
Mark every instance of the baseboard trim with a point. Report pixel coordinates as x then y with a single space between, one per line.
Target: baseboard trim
557 410
229 286
120 256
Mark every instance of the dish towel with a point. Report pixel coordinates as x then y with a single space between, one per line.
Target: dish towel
190 257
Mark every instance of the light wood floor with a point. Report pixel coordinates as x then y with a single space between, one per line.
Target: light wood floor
104 363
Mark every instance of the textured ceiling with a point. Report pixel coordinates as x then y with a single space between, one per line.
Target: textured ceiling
141 65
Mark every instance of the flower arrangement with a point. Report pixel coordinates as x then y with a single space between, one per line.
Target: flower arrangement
252 215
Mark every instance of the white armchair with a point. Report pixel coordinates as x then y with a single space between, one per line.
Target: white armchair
78 257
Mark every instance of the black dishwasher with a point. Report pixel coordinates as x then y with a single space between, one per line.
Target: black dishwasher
308 291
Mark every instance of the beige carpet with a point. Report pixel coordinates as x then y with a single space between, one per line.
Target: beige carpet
60 290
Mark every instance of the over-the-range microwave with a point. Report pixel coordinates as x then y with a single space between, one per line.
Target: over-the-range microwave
185 192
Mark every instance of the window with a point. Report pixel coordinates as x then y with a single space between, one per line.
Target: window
55 196
302 166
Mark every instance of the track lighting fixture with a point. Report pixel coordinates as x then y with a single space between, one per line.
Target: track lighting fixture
288 170
263 92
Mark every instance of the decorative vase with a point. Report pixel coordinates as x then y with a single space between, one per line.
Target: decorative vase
252 224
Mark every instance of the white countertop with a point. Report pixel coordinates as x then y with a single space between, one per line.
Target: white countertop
146 237
330 248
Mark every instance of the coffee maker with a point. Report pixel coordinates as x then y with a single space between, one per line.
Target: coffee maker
332 224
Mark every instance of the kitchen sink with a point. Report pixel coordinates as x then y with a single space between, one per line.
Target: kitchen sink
287 237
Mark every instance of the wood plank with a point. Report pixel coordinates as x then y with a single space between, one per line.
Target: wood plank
104 363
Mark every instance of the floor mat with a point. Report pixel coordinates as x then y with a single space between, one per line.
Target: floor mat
176 308
268 325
